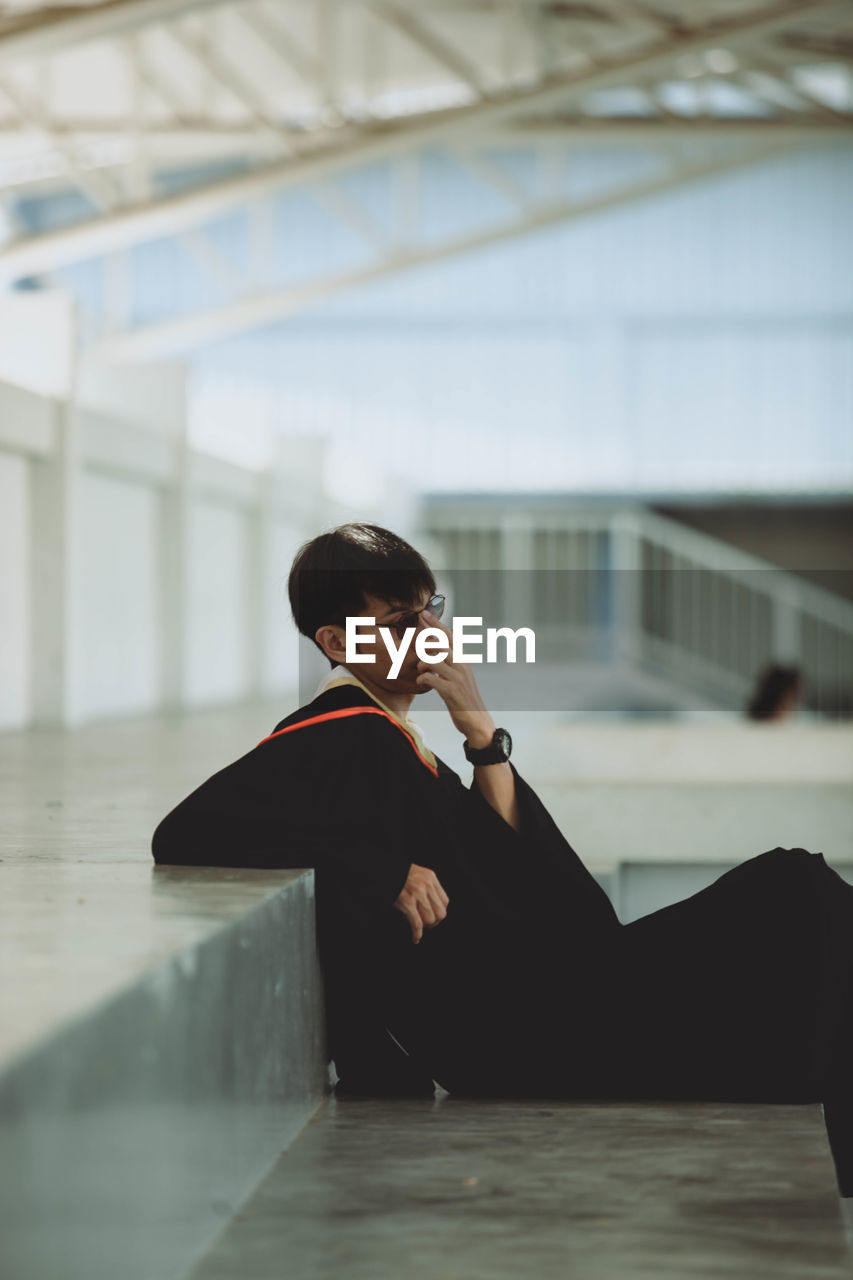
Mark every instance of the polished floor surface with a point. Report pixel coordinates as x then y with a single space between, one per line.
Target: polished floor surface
506 1190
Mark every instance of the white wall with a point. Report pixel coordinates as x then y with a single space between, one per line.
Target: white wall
118 612
281 646
36 331
702 338
14 591
136 572
153 396
219 600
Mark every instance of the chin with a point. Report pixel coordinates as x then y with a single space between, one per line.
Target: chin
405 681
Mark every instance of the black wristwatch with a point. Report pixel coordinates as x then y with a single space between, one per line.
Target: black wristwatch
496 752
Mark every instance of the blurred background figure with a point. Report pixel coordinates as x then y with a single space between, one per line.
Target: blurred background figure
777 694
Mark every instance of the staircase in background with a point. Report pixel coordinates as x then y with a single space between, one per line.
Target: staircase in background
614 582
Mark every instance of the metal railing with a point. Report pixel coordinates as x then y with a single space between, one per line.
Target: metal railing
626 584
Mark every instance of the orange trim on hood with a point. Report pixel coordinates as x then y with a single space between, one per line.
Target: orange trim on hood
352 711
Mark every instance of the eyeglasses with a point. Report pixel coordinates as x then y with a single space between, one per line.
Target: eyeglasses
435 605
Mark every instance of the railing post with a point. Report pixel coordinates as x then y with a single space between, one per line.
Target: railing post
787 622
626 567
516 561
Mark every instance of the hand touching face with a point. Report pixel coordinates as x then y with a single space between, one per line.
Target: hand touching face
454 682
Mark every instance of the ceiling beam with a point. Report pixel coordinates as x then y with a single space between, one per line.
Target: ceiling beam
769 67
366 144
821 48
94 185
617 131
274 36
441 52
240 137
238 83
644 128
52 30
183 333
575 135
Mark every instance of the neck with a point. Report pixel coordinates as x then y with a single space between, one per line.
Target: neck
399 703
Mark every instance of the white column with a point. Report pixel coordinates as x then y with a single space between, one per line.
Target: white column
55 573
295 509
173 574
261 573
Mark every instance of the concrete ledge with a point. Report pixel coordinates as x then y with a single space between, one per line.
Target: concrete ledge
78 932
684 824
133 1131
734 752
160 1027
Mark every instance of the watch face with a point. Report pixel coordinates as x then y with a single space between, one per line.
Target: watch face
504 741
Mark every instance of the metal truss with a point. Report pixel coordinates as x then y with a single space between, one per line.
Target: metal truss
527 208
294 94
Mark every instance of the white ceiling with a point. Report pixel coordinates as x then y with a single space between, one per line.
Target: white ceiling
107 98
126 85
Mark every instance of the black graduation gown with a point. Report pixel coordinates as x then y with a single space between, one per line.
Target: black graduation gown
531 985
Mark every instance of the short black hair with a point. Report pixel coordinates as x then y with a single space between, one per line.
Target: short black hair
331 574
773 684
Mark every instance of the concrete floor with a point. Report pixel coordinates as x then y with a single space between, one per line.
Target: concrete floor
463 1190
451 1189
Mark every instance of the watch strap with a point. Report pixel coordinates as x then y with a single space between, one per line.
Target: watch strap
494 753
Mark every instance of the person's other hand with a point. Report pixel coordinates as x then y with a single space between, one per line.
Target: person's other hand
422 900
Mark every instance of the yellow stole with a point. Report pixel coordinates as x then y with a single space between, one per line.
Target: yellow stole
409 727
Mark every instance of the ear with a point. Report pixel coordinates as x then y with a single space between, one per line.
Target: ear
332 640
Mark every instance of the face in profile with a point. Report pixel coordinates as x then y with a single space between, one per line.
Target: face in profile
398 618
